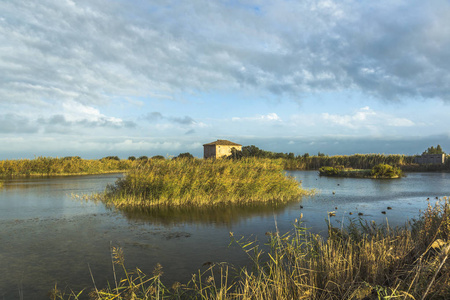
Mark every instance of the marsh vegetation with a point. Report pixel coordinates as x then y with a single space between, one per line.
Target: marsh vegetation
192 182
74 165
380 171
355 161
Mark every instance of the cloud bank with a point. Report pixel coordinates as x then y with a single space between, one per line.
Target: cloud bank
96 50
101 76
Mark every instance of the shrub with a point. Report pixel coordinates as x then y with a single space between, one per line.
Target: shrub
385 171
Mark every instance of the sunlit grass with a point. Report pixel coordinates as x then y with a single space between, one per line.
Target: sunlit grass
380 171
48 166
195 182
355 161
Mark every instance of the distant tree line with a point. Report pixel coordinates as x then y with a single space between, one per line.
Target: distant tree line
356 161
145 158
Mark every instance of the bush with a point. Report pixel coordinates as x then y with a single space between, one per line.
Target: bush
385 171
158 157
331 171
185 155
111 158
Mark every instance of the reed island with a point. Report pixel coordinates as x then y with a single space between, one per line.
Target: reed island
203 182
380 171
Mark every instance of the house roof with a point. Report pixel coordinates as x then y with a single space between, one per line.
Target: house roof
222 143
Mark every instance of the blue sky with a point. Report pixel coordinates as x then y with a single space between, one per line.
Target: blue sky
100 77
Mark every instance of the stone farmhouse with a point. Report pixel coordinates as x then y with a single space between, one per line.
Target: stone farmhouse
430 159
219 148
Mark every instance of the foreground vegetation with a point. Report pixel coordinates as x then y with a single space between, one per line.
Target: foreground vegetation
194 182
380 171
359 262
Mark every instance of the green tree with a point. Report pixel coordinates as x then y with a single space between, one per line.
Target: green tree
235 154
185 155
158 157
111 158
432 150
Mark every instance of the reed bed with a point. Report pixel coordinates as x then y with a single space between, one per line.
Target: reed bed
195 182
362 261
380 171
356 161
48 166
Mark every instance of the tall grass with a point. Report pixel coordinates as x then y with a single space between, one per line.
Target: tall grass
363 161
194 182
356 161
378 171
46 166
362 261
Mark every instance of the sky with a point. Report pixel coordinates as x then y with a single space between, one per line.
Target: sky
95 78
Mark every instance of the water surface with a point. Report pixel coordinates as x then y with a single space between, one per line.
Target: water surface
48 237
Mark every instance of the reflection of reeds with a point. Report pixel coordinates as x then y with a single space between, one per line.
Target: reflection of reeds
221 214
362 261
194 182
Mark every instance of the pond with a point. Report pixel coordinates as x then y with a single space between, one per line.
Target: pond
47 236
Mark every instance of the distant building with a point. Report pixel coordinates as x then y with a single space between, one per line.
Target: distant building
430 159
219 148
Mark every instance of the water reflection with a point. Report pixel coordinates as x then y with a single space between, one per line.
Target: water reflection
47 237
222 215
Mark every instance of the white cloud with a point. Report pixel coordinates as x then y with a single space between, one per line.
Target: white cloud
358 119
75 112
367 118
269 118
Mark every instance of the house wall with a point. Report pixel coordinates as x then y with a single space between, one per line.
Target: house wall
209 151
430 159
217 151
222 151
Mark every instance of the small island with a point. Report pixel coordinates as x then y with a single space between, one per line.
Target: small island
191 182
380 171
